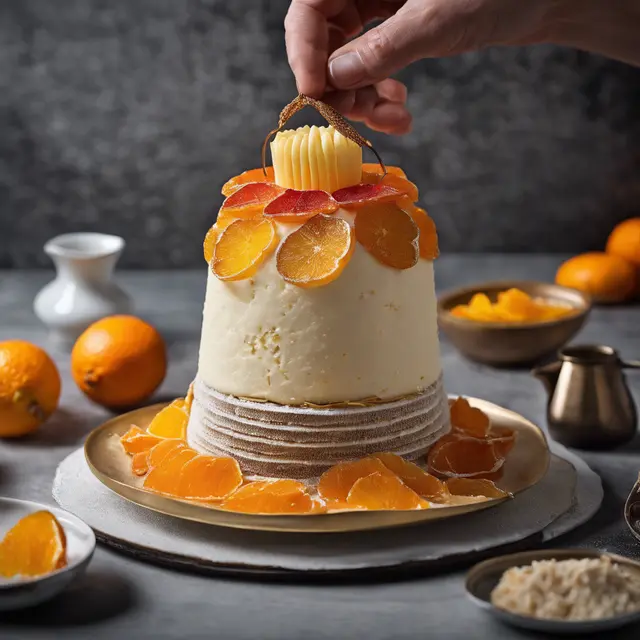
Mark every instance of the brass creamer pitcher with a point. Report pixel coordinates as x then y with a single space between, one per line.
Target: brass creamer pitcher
590 405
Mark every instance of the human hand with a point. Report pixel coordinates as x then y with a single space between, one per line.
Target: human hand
354 76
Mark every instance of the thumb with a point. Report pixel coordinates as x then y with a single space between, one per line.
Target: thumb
380 52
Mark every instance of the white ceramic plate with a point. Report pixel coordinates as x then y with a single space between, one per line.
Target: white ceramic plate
81 543
485 576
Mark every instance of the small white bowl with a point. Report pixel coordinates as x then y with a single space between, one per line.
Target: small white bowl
482 579
81 543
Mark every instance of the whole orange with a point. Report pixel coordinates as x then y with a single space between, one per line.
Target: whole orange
606 278
29 388
624 241
119 361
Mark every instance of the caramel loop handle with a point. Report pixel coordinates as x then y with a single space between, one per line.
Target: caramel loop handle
330 115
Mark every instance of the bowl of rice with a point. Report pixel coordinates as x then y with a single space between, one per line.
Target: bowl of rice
568 591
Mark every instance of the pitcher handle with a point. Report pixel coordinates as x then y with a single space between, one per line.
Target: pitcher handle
630 364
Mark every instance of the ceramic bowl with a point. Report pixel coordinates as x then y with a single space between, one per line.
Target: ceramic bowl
81 543
482 579
503 343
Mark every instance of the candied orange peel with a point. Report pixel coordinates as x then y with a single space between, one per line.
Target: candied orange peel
512 306
317 252
242 248
389 234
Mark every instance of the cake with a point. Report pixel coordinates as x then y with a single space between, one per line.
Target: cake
319 336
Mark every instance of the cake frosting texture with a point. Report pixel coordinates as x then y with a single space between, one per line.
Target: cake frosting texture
371 332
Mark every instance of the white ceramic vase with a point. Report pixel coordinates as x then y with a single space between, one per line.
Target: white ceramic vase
83 290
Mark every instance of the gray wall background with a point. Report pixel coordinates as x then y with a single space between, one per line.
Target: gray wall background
126 116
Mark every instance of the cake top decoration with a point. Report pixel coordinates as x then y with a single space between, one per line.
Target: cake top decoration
315 206
330 115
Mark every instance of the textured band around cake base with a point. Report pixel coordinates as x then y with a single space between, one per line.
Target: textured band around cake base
274 440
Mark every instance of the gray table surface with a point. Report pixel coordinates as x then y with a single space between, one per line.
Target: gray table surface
123 598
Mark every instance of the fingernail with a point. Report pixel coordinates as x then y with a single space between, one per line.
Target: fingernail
347 70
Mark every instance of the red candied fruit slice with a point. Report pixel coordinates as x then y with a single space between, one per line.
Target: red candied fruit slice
299 206
251 198
403 185
362 194
253 175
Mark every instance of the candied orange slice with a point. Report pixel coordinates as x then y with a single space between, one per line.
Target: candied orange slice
164 477
209 243
428 239
298 206
164 451
463 457
502 438
475 487
133 431
252 175
374 167
468 419
140 443
34 546
140 463
389 234
242 248
317 252
340 505
208 479
170 422
382 491
251 198
479 308
362 194
336 482
272 497
400 183
511 306
423 483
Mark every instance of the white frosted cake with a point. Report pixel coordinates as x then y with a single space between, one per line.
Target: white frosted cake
319 336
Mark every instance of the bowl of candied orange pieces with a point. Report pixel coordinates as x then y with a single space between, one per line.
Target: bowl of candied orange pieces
511 323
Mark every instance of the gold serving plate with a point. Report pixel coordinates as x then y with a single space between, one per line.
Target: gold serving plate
526 465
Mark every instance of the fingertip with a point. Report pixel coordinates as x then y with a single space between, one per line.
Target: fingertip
341 101
390 117
312 87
